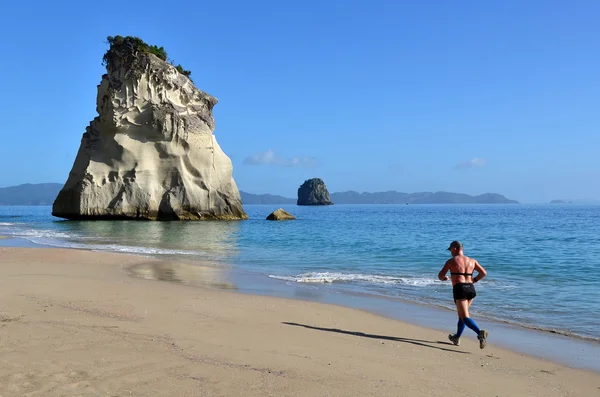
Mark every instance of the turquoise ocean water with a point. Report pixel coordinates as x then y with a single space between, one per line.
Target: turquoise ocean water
542 260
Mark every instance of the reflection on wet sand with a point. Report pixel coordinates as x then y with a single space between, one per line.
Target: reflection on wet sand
185 273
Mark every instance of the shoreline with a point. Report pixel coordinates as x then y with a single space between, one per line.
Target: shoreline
574 352
569 350
76 322
451 308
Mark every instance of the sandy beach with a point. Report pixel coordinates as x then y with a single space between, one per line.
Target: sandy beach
77 323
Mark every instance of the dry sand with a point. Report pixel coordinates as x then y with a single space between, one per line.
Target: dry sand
76 323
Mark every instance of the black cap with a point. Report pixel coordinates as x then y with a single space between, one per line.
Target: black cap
455 244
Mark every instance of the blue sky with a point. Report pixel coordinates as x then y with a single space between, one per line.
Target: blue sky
463 96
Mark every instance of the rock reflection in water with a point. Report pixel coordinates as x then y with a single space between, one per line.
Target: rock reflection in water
216 240
184 273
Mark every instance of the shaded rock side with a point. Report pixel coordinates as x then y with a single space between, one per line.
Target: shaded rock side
280 215
150 153
313 192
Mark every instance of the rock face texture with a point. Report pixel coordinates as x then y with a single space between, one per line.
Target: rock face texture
280 215
313 192
150 153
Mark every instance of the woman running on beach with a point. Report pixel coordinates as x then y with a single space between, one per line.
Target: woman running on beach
461 272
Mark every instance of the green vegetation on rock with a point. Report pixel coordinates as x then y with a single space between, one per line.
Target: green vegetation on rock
126 48
184 72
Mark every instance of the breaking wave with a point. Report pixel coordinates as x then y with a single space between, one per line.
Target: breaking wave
333 277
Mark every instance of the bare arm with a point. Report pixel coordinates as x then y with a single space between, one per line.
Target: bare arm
481 273
442 274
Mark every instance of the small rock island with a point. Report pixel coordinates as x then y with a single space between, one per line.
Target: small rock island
280 215
313 192
150 154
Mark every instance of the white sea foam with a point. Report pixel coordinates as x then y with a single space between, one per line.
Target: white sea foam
143 250
43 233
6 224
68 240
116 248
333 277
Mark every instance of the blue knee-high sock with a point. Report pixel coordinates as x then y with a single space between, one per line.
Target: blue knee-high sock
471 324
460 327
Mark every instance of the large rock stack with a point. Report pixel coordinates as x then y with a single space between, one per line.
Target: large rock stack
150 153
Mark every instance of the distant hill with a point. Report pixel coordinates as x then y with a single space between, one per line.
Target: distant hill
30 194
45 193
393 197
249 198
390 197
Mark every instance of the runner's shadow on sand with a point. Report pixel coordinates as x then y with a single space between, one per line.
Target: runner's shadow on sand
419 342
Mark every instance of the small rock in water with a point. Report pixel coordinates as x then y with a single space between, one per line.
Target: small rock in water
280 215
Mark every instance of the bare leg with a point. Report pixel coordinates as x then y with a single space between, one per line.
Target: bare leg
462 307
469 306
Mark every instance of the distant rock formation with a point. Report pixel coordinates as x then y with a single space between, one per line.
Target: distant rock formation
313 192
560 202
150 153
280 215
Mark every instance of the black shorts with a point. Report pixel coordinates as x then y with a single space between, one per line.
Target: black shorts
464 291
